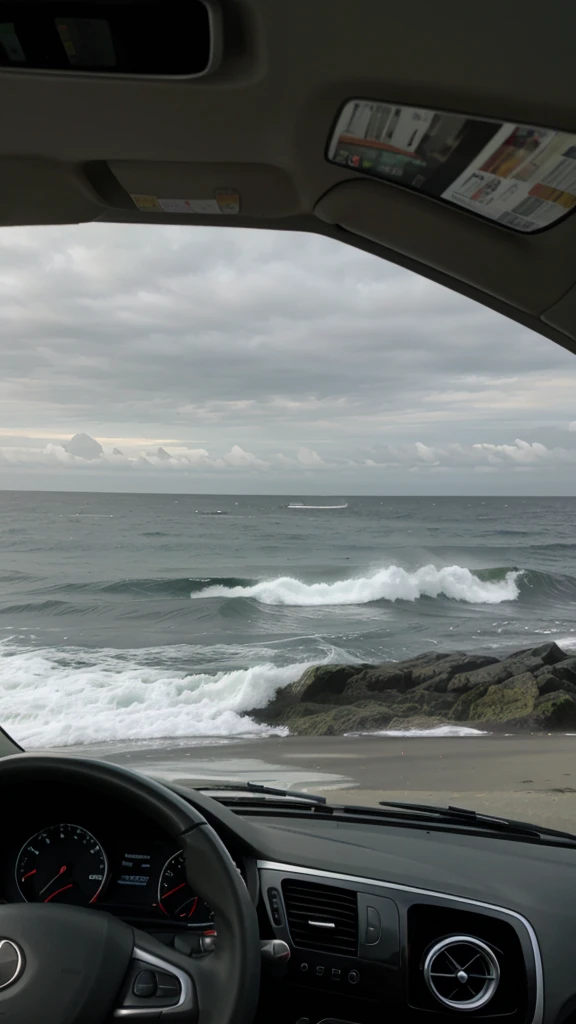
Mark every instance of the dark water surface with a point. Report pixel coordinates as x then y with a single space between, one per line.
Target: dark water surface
148 616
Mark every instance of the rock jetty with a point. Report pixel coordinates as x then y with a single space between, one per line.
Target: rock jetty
530 691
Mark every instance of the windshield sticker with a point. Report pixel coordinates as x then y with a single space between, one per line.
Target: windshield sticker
225 201
228 200
520 176
148 204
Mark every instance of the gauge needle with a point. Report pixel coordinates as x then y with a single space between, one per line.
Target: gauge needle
57 875
189 912
58 891
175 889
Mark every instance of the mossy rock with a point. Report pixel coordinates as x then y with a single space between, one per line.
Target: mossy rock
551 678
319 681
555 711
460 711
285 714
367 717
381 678
513 699
490 675
424 701
438 675
416 722
530 689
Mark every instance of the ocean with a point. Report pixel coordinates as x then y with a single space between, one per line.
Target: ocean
155 617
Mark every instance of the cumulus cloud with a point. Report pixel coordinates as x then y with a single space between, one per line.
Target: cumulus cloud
308 457
386 461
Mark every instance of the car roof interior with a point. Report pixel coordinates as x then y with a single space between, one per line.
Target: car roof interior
75 147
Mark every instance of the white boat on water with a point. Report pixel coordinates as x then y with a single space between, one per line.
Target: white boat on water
300 504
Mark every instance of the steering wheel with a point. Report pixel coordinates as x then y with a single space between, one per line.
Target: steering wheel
69 965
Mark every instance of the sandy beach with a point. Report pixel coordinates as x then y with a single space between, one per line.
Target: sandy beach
531 777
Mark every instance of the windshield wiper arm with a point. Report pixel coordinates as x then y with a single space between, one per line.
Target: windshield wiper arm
257 787
398 810
467 816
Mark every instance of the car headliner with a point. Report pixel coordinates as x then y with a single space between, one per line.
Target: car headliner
74 147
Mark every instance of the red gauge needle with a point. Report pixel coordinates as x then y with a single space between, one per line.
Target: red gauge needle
57 875
187 913
63 889
166 894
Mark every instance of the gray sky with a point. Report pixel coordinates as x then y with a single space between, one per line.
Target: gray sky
236 361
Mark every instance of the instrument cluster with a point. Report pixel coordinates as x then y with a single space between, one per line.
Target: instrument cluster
136 878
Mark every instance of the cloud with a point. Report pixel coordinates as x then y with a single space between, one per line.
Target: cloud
309 458
521 453
246 355
237 458
481 457
426 454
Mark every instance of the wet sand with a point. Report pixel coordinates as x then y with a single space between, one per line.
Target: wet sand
530 777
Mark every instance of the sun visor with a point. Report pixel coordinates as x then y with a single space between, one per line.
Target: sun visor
518 176
525 271
36 191
203 189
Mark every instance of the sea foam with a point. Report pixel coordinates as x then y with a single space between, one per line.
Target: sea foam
51 698
391 584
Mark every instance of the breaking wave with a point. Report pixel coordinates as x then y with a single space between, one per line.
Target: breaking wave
53 698
391 584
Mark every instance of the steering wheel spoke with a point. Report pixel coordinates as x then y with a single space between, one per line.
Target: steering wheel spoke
160 983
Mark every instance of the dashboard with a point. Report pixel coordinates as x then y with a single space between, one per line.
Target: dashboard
380 921
62 848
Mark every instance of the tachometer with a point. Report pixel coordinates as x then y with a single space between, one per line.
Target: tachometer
175 897
62 863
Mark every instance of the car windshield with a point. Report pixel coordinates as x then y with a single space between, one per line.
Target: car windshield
275 510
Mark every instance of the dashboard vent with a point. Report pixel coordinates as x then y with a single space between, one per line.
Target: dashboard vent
462 972
321 917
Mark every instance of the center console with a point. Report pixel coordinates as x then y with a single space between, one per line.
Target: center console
363 951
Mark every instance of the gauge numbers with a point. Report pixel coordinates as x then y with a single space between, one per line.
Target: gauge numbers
61 864
175 897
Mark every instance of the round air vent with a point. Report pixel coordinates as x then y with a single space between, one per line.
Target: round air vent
461 972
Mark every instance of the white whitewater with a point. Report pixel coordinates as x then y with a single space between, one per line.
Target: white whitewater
391 584
52 698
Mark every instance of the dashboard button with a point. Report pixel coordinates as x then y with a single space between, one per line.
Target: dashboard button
145 985
275 906
319 971
353 977
373 926
168 986
336 974
304 967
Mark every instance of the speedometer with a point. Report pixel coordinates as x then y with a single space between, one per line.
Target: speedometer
63 864
175 897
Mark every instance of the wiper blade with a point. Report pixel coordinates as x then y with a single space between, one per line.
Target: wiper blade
467 816
257 787
398 811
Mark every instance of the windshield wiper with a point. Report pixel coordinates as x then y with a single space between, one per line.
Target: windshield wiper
396 811
257 787
467 816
